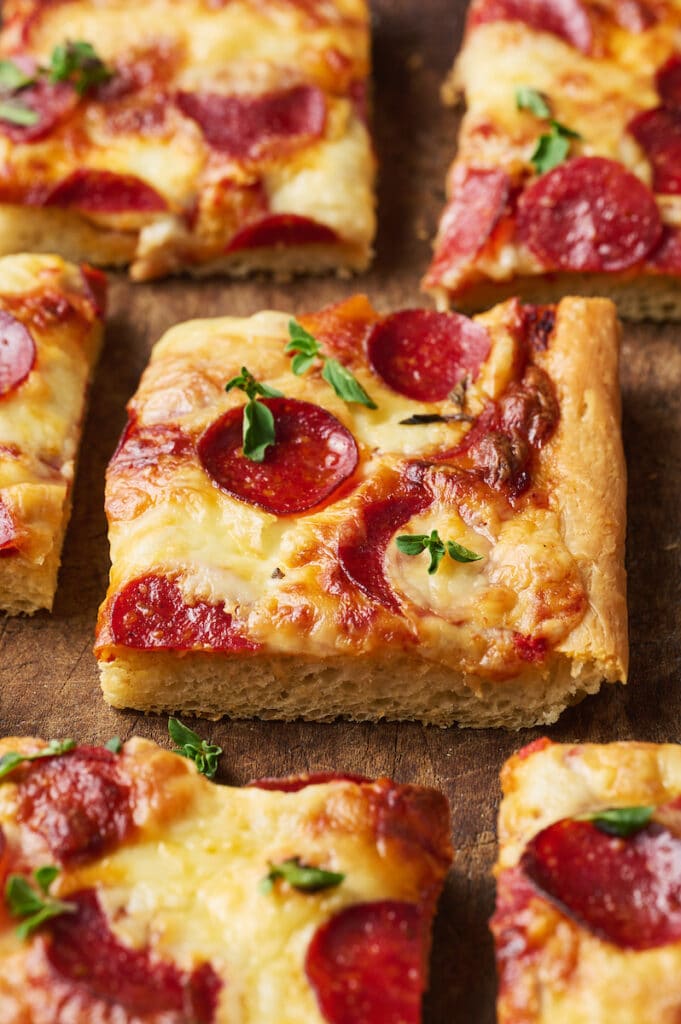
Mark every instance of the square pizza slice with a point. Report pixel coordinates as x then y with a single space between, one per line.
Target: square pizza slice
566 178
138 892
415 515
587 923
51 321
187 135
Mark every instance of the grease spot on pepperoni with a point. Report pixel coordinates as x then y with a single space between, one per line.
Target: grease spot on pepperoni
80 803
362 559
625 891
568 19
9 535
84 951
313 455
294 783
658 133
477 203
668 82
282 229
17 353
150 613
589 214
366 965
423 354
105 192
246 126
51 101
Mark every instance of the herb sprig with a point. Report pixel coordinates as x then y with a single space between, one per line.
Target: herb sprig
12 759
416 543
74 62
553 146
258 421
622 821
33 902
299 876
204 755
307 349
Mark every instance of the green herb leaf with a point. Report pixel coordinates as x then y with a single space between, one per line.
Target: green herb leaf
564 131
23 900
247 383
345 384
115 745
45 876
258 430
307 349
12 78
461 554
10 760
550 151
300 876
532 100
415 543
205 755
18 113
78 63
418 419
622 821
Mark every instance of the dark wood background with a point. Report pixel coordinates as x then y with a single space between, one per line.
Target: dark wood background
48 678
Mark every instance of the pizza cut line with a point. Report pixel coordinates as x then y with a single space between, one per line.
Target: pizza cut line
51 322
134 891
191 136
408 516
587 923
566 177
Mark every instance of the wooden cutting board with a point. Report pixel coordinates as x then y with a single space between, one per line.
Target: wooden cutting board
48 678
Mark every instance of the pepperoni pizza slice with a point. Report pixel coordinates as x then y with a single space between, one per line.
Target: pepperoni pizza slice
406 516
587 923
51 318
187 135
137 892
567 174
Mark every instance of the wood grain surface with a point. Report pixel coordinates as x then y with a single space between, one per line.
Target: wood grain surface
48 677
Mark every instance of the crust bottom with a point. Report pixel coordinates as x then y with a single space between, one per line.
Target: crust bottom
651 297
49 230
396 688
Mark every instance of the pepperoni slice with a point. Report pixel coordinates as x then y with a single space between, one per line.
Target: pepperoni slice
294 783
96 287
366 965
658 133
51 101
282 229
363 559
105 192
246 126
568 19
477 203
666 258
589 214
8 531
626 891
343 328
669 83
17 353
80 803
634 16
83 951
150 613
423 354
313 456
142 446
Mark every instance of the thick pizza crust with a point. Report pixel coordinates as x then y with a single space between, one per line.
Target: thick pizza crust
571 976
188 876
312 661
41 422
206 195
